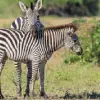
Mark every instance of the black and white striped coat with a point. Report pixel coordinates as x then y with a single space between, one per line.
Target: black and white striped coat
18 24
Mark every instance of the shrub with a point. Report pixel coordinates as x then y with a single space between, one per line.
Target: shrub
92 51
71 59
95 42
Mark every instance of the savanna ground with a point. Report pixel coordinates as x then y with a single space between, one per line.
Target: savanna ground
66 77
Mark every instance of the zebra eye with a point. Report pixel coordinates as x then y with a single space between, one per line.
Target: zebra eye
38 17
74 37
26 18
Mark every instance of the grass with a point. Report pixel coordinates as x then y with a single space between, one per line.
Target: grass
76 79
73 79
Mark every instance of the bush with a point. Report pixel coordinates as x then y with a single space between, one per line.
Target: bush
92 51
90 44
95 39
72 59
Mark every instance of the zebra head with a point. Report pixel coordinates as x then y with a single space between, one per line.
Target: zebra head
31 17
72 41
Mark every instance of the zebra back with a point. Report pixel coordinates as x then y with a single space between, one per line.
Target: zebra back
18 23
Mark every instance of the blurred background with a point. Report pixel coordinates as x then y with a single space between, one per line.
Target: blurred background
67 76
55 7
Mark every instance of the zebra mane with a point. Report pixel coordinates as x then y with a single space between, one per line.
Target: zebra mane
70 25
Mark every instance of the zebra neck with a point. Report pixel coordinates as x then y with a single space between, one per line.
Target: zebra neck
53 39
25 27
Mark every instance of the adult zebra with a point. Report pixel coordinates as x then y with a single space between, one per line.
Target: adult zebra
37 48
8 38
19 24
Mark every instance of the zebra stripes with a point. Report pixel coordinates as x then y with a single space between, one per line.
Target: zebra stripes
18 23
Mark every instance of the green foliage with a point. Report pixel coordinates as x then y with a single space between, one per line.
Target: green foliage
86 45
92 47
79 21
10 8
90 44
71 59
95 46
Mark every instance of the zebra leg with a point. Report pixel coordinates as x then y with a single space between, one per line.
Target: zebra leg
29 65
41 74
19 71
1 67
2 63
31 77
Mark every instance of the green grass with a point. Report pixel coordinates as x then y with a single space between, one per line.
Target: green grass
74 78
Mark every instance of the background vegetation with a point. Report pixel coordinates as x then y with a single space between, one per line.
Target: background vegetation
10 8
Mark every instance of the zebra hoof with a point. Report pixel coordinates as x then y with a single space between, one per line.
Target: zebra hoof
1 96
43 94
32 95
26 96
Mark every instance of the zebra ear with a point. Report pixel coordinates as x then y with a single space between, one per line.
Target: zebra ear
38 5
32 6
22 6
